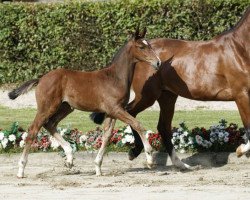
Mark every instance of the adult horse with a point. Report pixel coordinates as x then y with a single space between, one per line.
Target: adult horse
61 91
218 69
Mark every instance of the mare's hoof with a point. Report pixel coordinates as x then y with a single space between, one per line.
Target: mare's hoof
131 155
247 154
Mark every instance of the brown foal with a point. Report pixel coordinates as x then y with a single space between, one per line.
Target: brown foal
61 91
218 69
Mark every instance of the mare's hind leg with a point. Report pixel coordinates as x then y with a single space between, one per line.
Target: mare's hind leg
243 103
51 126
108 128
167 105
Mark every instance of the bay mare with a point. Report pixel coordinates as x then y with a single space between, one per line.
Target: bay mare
61 91
214 70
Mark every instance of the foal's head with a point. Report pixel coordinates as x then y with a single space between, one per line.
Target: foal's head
142 50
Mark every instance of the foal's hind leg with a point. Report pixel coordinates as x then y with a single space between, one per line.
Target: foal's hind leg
108 128
51 126
243 103
32 134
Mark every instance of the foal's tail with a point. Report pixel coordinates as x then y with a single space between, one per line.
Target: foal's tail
98 118
23 88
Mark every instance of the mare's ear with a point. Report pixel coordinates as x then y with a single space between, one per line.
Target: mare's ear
142 35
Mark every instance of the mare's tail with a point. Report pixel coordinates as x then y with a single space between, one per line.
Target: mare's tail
98 118
23 88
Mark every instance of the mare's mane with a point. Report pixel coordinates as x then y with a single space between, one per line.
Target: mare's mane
238 24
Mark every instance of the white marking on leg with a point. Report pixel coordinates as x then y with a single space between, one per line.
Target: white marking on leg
66 147
148 152
108 128
23 161
177 162
246 147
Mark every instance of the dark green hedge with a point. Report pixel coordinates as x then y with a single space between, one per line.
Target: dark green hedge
35 38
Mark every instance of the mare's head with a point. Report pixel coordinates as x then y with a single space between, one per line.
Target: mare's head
142 50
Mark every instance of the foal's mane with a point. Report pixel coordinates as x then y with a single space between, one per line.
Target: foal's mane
119 52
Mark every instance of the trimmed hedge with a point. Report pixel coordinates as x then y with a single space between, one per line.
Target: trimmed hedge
82 35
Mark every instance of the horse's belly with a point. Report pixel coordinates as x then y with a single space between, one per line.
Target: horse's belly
211 94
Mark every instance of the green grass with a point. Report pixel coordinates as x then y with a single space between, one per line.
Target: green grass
149 119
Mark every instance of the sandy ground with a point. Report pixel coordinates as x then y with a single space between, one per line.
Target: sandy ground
28 100
215 176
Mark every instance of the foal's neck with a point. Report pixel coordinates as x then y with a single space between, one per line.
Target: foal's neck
123 67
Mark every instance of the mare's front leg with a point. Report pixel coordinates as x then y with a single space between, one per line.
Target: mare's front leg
108 128
135 124
243 103
167 106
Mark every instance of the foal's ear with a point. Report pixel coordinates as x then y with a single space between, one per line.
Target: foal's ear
137 32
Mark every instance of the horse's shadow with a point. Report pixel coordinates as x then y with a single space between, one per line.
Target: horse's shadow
196 161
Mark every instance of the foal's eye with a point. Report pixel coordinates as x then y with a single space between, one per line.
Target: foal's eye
142 47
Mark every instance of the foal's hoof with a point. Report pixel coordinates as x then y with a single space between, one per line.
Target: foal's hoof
69 164
239 151
151 166
20 177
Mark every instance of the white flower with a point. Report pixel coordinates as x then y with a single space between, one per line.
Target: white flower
182 151
124 141
221 135
130 138
1 135
128 130
190 140
198 139
63 131
12 138
175 134
226 139
185 133
22 143
179 129
54 143
83 139
176 146
24 135
147 133
4 142
226 134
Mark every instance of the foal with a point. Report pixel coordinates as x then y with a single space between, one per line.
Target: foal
61 91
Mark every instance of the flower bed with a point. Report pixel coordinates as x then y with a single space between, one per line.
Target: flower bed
217 138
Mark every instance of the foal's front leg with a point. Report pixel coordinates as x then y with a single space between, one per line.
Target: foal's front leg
136 125
108 128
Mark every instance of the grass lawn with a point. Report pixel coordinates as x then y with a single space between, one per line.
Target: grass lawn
149 119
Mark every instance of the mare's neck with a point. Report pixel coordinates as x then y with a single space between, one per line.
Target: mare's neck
242 29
